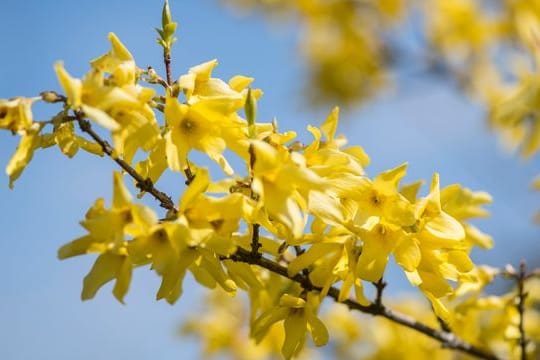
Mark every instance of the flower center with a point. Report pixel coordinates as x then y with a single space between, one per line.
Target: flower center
160 236
3 112
188 125
376 199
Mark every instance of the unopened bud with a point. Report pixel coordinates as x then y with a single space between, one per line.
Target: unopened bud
250 108
51 97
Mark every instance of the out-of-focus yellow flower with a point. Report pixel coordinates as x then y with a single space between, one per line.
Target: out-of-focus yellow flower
459 28
346 61
299 315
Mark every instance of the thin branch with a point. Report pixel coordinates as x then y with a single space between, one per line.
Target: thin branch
143 184
189 174
299 251
379 286
448 340
167 61
522 295
255 244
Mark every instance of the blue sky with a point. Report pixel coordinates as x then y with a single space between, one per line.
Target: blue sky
422 121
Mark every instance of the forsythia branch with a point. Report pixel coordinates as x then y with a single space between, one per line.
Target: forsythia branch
448 340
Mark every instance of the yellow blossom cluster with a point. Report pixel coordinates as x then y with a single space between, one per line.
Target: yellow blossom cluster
487 45
354 336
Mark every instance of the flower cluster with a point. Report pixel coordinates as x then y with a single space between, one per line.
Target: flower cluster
486 47
343 42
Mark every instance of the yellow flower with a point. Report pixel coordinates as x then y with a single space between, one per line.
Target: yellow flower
298 315
460 27
380 239
16 114
107 229
381 198
332 257
281 180
198 85
463 204
118 62
328 159
220 215
198 127
115 102
444 253
69 142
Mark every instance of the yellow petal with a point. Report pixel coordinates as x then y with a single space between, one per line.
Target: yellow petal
214 268
359 293
388 181
72 87
239 82
325 207
121 195
315 252
439 308
410 191
22 156
372 261
123 279
262 324
196 187
80 246
435 284
204 70
119 51
329 126
171 284
295 335
407 253
100 117
107 267
291 301
477 237
443 227
176 153
319 332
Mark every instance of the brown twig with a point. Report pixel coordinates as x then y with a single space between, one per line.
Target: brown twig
299 251
522 295
167 61
379 286
141 183
255 244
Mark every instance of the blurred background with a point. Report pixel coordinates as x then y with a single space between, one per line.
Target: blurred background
423 119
